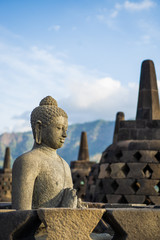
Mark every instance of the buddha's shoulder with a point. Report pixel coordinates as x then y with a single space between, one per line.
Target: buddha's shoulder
64 162
30 158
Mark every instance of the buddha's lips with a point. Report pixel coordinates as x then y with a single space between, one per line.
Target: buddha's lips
62 140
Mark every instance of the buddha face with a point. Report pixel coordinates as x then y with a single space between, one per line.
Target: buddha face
54 135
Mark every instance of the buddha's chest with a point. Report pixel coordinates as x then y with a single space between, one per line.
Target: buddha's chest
52 175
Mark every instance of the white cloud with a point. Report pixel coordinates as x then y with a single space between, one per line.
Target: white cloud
28 75
100 99
138 6
109 16
54 27
144 39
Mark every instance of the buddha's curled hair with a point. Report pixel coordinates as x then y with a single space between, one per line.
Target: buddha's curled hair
46 112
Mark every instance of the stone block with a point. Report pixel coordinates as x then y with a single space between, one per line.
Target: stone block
148 187
95 169
128 124
128 156
124 186
140 123
112 198
138 145
153 124
135 198
99 198
133 134
109 186
156 134
155 199
130 224
66 224
91 180
99 187
19 224
154 145
117 170
144 113
82 164
143 134
123 134
136 170
105 170
111 157
155 170
148 156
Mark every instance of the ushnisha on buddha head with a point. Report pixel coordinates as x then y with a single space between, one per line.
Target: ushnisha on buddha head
49 124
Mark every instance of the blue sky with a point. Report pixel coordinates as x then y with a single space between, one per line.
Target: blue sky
86 54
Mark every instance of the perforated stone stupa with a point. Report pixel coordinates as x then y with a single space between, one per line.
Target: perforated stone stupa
6 178
81 168
129 169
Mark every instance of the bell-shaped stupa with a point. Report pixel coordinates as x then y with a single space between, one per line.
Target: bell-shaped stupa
129 169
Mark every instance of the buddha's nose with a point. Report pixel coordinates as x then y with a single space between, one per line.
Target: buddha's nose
64 134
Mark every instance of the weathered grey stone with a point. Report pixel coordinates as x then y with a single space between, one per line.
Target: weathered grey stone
148 101
83 150
155 199
133 134
81 164
130 224
81 168
112 198
46 175
105 170
137 145
116 170
135 198
18 224
128 156
119 118
7 159
155 168
125 186
147 187
145 134
153 124
99 197
128 124
140 123
70 224
136 170
105 186
6 178
111 158
148 156
124 134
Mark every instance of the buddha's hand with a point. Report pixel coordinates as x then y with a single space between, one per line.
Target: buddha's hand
69 198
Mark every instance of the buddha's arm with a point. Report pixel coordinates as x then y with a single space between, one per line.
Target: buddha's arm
24 174
68 176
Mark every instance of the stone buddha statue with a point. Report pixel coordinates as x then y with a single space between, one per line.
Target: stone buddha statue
41 178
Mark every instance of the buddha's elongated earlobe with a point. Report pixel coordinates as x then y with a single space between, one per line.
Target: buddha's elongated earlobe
38 132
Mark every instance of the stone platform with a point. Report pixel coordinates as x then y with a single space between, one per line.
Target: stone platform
126 222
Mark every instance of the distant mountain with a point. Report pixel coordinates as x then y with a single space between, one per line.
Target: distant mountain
99 134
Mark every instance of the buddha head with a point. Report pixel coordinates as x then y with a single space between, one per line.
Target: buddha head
49 123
